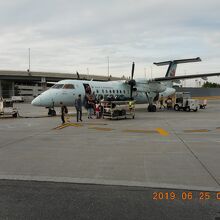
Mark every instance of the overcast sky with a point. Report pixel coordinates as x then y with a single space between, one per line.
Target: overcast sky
70 35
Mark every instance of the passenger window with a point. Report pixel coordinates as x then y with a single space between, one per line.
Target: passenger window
113 91
68 86
117 91
120 91
124 91
103 91
106 91
97 91
110 91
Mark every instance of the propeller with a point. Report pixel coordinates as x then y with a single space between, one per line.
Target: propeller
132 82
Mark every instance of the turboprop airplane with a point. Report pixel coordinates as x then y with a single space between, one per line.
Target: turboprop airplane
140 90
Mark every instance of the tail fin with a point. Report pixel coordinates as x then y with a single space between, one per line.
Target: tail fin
171 71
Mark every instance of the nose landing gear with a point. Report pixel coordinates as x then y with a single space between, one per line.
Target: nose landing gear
52 112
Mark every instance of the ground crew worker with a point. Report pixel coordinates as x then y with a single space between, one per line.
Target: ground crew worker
161 102
64 111
131 105
78 106
169 103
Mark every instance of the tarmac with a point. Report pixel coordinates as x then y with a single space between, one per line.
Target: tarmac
160 151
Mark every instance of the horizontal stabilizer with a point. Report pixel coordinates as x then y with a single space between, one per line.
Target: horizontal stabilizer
198 59
173 78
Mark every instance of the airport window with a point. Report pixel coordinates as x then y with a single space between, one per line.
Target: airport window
57 86
68 86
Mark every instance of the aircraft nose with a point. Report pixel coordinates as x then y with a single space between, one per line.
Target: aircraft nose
36 101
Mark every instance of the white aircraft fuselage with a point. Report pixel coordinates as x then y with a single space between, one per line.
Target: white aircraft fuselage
66 91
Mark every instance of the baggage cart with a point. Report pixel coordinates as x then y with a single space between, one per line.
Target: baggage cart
118 109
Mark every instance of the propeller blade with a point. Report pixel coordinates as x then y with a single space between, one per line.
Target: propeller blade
131 91
132 71
132 82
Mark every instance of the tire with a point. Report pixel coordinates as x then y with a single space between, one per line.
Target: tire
152 108
188 109
176 107
15 115
195 110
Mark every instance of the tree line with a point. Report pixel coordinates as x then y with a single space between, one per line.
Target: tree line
211 85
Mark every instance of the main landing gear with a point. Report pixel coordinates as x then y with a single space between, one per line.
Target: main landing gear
151 99
152 108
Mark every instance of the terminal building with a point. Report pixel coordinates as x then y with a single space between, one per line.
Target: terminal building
31 84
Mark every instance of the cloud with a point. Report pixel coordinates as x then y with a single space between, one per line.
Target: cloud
75 35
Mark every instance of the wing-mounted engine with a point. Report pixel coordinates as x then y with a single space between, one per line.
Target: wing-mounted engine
156 87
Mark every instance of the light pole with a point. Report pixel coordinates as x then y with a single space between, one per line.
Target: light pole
108 65
29 59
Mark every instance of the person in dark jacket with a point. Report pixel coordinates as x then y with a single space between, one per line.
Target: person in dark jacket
64 111
78 106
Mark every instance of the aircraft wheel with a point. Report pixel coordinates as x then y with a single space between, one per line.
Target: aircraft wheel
53 113
176 107
188 109
50 112
152 108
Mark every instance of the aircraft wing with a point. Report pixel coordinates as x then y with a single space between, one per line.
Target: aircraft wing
173 78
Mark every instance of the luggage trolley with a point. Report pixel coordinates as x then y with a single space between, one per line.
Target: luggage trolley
118 109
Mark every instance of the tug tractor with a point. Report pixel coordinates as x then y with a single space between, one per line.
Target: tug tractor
185 103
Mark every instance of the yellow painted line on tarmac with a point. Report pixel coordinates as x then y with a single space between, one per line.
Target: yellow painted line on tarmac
75 124
94 123
196 130
67 125
141 131
61 126
162 132
101 129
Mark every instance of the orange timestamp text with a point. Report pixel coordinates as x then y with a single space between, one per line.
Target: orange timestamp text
185 196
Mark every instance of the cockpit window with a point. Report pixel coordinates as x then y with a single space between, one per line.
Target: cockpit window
57 86
69 86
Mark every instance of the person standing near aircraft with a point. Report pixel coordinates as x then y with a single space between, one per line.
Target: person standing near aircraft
64 111
90 106
161 102
78 106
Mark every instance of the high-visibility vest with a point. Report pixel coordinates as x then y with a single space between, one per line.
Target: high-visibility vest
131 104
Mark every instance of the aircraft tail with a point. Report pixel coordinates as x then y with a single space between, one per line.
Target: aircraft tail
171 71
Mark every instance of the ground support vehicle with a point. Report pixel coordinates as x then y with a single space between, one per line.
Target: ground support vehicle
184 102
17 99
118 109
203 104
7 108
